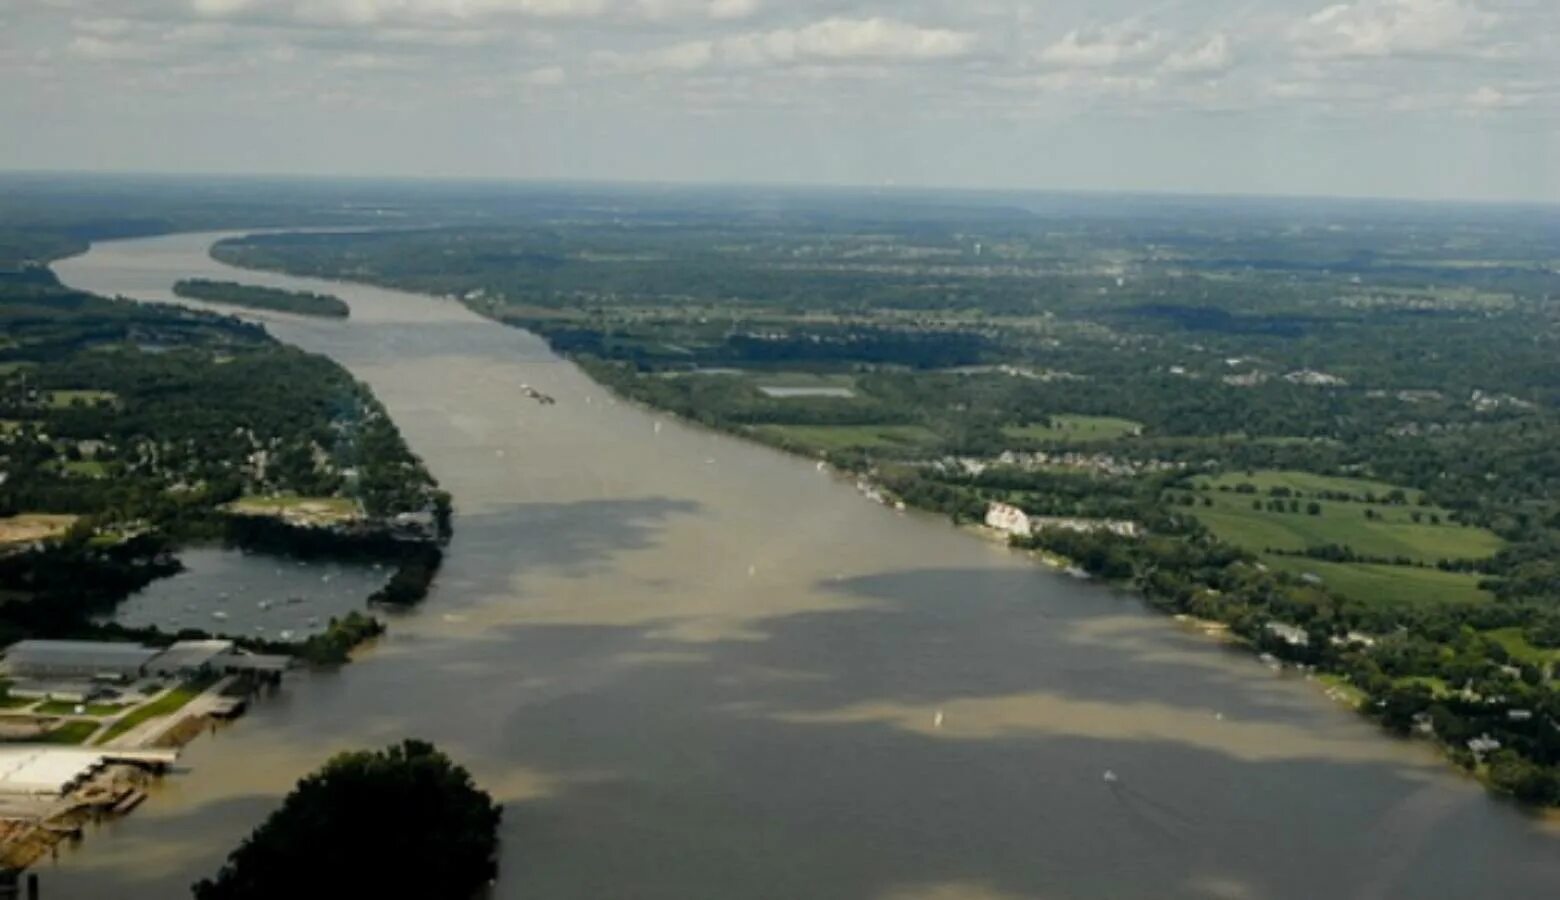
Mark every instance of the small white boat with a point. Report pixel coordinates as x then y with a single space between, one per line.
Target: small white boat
1110 777
220 616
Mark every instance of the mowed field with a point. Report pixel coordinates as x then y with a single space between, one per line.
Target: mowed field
1390 585
1304 483
828 438
1390 533
1081 429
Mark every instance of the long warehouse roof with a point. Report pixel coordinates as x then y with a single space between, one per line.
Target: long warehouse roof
78 654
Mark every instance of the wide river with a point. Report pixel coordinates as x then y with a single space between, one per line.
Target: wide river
694 668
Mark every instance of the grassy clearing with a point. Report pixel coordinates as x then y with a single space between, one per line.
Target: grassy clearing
1081 429
1391 534
1304 483
1390 585
1519 648
1342 688
29 527
67 399
314 509
72 733
166 705
62 708
802 379
829 438
85 468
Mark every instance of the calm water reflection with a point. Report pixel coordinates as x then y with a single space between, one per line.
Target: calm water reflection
235 593
694 668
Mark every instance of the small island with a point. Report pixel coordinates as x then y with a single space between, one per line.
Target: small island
231 293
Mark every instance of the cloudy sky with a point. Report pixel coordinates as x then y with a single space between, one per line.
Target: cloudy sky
1418 98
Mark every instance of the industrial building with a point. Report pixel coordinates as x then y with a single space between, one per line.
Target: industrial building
74 662
77 660
46 771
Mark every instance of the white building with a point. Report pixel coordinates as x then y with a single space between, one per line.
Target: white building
1008 519
46 771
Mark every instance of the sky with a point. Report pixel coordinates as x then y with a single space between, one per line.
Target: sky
1434 99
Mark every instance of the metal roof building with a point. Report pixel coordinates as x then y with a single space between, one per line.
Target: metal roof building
185 657
77 659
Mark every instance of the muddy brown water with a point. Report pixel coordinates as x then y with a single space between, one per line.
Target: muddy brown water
695 668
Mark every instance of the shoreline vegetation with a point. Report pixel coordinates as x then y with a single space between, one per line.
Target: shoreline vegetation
231 293
408 804
129 431
132 429
1199 411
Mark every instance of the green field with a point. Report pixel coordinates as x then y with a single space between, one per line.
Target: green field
1303 483
801 380
1393 585
166 705
845 437
69 733
1519 648
67 399
1390 535
1082 429
85 468
61 708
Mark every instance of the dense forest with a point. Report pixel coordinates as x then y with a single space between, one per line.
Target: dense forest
272 299
127 430
1333 426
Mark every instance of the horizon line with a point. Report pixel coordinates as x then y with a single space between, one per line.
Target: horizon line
778 184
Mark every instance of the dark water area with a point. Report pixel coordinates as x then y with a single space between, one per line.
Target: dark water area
252 595
692 667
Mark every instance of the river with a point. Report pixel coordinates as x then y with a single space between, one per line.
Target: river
695 668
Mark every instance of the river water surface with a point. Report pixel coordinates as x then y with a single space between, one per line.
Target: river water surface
694 668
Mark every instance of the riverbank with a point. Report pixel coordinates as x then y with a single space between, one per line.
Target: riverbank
602 657
129 741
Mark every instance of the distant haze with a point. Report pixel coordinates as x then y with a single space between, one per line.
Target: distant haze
1451 99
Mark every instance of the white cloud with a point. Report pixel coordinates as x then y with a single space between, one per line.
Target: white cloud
834 40
375 12
1487 99
860 39
102 49
1380 28
1118 44
1211 57
685 57
546 76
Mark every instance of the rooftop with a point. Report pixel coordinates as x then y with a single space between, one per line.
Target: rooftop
191 654
104 654
44 770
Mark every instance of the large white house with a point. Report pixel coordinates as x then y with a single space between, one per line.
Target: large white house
1008 519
